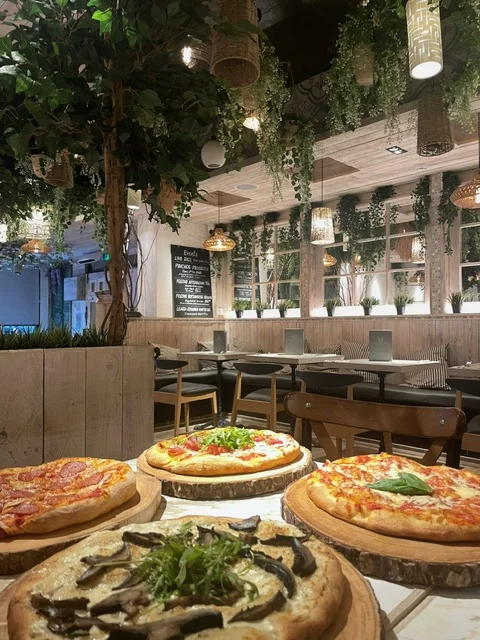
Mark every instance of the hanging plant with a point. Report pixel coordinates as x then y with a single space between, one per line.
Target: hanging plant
307 224
421 201
243 232
299 158
347 221
447 211
294 225
266 234
373 220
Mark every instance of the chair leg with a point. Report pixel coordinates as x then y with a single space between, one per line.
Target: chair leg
339 445
297 434
233 419
186 408
214 410
350 445
178 414
387 438
273 417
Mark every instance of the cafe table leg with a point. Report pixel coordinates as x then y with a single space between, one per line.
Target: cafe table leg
385 438
221 421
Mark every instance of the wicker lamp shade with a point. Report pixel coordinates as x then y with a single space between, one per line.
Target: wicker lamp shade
322 226
35 246
60 173
467 196
363 65
218 241
434 133
425 53
237 58
328 260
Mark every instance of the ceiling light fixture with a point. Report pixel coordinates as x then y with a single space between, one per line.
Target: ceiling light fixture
213 154
134 199
252 122
424 39
35 246
187 55
467 196
328 260
397 151
218 241
322 222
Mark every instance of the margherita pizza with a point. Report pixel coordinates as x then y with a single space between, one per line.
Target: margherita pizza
191 578
400 497
223 451
61 493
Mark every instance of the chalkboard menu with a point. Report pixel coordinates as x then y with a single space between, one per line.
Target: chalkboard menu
192 285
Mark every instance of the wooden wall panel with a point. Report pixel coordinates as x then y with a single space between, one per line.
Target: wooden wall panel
138 387
103 402
64 403
21 413
410 333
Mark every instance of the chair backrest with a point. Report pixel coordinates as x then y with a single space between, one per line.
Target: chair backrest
465 385
257 368
166 364
319 379
439 424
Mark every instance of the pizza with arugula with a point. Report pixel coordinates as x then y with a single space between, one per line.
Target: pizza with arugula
223 451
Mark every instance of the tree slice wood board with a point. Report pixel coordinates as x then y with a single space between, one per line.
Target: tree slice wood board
245 485
24 552
404 560
359 608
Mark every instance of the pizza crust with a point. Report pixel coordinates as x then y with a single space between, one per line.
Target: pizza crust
306 616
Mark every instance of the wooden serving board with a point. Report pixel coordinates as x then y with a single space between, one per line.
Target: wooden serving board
24 552
359 609
245 485
440 564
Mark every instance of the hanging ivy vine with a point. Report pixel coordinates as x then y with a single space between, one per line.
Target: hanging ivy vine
347 221
266 234
307 224
447 211
421 201
243 232
300 158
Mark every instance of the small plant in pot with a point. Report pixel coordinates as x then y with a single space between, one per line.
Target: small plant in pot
260 308
400 301
283 306
331 304
456 299
368 303
239 306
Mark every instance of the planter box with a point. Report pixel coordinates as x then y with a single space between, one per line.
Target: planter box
95 401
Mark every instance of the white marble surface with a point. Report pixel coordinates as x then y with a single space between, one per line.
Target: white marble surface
284 358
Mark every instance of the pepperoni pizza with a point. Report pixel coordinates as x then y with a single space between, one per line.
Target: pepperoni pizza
223 451
61 493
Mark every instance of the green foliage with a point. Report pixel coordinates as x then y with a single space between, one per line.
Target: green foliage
266 234
447 211
241 305
300 158
243 232
283 305
402 299
55 338
407 484
218 259
369 302
307 224
421 201
332 303
229 437
261 306
457 297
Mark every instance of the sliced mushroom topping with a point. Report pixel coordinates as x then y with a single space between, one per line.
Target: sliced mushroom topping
249 524
89 574
150 539
278 569
190 601
185 623
79 623
304 563
132 580
41 602
260 611
205 535
280 540
122 554
121 601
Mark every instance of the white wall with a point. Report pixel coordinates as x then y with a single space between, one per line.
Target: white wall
157 299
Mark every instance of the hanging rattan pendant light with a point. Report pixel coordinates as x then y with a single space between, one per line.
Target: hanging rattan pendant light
328 260
434 133
35 246
424 39
237 58
218 241
467 196
322 222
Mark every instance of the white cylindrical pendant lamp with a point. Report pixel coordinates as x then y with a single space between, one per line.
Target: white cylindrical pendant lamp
134 199
213 154
322 226
424 39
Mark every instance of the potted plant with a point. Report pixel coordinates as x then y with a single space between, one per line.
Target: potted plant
260 308
331 304
400 301
367 304
283 306
456 299
239 306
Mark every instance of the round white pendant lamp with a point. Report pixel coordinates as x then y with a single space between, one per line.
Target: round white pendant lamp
213 154
424 39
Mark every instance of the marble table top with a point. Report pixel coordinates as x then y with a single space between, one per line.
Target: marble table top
409 612
465 371
212 355
285 358
388 366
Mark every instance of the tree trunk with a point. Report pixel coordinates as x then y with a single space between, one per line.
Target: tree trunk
116 211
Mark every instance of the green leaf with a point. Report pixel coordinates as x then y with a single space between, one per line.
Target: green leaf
406 484
144 29
158 14
102 16
62 3
173 8
148 99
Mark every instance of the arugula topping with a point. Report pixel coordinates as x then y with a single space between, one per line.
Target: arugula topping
407 484
183 567
229 437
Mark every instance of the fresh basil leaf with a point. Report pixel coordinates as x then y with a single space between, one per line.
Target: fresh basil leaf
406 484
415 482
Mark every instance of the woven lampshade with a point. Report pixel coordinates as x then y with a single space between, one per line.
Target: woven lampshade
328 260
35 246
237 58
363 65
424 39
434 133
60 174
467 196
322 226
218 241
41 165
168 197
417 251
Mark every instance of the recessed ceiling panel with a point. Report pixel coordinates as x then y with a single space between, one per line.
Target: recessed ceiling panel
222 198
331 169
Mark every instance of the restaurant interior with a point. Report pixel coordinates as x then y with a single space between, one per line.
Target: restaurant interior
240 319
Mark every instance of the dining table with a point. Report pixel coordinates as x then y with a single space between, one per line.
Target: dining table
409 612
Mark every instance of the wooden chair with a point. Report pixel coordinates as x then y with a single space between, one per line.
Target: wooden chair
471 439
267 401
183 393
440 424
312 381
